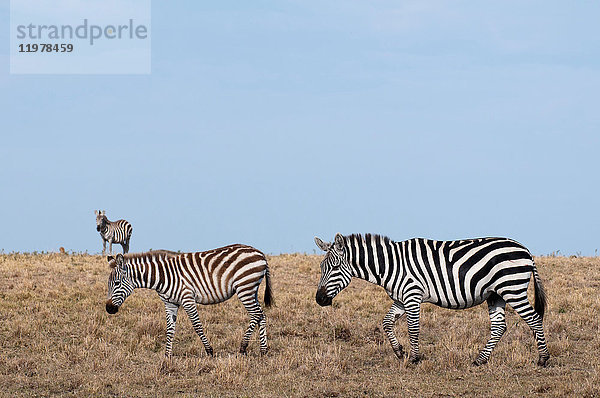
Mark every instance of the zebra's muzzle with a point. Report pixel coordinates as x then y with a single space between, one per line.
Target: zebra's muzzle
97 227
111 308
322 299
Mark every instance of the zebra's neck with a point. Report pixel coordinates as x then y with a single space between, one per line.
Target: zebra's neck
373 258
151 271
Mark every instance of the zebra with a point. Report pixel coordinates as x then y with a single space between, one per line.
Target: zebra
187 279
113 231
451 274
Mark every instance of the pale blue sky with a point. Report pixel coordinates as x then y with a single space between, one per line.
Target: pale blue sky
270 122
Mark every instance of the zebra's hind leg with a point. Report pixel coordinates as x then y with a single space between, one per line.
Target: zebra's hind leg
257 317
190 308
262 334
125 247
496 306
395 312
522 307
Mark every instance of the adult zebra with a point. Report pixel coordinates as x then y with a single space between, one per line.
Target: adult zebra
452 274
113 231
185 279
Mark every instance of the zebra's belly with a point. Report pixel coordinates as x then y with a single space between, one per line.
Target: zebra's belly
460 305
212 297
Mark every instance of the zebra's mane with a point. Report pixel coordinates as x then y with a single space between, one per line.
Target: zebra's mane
366 238
152 254
149 254
160 253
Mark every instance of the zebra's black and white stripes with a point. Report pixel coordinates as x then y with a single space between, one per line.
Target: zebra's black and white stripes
183 280
113 232
451 274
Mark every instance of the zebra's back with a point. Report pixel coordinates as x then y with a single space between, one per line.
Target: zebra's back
215 275
463 273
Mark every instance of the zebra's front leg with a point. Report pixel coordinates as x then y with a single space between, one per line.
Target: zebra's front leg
110 242
413 314
171 311
192 311
103 247
395 312
496 306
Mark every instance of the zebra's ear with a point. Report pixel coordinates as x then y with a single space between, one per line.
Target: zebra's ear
322 245
96 212
339 241
111 263
120 261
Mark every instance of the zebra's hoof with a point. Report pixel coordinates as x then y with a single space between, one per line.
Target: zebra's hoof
543 361
479 362
399 353
166 365
209 352
264 352
243 351
415 359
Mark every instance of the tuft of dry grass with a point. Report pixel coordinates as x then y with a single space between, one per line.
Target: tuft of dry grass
57 339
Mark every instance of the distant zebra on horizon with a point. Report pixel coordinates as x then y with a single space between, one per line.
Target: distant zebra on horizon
187 279
451 274
113 231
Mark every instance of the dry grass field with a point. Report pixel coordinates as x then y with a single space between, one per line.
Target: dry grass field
58 340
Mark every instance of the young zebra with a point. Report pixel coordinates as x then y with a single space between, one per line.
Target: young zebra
451 274
186 279
113 231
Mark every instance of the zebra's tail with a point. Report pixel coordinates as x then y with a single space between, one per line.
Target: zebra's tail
540 301
269 299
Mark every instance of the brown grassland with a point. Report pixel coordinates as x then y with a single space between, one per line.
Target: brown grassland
58 340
